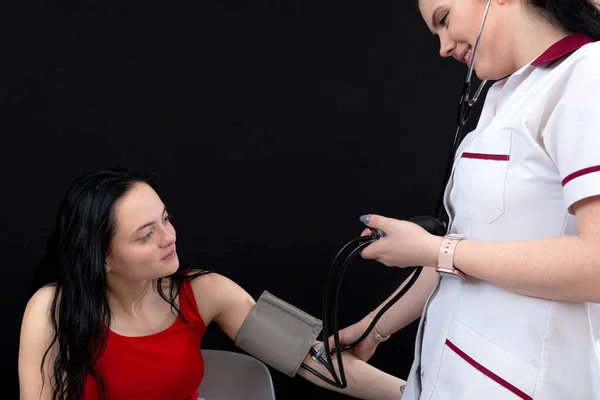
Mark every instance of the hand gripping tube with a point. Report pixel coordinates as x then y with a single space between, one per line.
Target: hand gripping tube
278 334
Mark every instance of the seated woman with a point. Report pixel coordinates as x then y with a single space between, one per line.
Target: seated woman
114 315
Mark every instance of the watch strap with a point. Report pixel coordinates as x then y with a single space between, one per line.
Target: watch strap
446 256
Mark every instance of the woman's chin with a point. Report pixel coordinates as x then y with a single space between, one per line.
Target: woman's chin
169 267
173 265
484 73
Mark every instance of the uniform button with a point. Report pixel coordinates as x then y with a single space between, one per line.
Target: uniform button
425 322
422 374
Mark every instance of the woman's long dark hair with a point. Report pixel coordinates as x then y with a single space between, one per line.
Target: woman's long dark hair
576 16
74 263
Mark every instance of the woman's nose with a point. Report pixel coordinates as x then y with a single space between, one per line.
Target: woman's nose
447 47
168 237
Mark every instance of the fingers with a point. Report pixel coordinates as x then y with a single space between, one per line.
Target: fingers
347 336
374 221
370 252
331 340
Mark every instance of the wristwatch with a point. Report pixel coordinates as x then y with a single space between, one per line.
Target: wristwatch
446 257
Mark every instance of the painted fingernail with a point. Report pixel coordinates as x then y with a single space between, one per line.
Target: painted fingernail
365 219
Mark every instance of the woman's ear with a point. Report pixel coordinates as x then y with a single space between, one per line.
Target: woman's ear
107 264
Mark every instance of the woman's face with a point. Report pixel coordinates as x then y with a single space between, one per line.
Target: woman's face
143 246
457 22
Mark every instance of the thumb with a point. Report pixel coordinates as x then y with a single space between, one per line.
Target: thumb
374 221
343 334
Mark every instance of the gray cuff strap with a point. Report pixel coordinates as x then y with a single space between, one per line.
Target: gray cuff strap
278 334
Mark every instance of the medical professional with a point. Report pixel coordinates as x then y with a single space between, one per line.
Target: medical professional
509 299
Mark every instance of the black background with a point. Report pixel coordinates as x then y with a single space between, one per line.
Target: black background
271 125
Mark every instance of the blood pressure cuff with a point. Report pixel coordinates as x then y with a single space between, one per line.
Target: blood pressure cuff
278 334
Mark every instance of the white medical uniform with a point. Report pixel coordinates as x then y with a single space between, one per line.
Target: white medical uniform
535 151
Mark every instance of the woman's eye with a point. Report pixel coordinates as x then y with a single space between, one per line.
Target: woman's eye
147 237
443 19
168 218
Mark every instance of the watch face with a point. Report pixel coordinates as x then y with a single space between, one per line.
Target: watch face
452 276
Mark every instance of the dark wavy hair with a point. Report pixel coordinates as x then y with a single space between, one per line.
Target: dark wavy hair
74 263
575 16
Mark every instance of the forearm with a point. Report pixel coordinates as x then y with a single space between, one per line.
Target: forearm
410 306
364 381
562 268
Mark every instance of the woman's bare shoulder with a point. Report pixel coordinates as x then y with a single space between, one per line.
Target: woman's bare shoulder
36 335
215 284
39 304
215 293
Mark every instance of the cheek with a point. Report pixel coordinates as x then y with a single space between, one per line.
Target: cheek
461 33
491 50
143 255
133 255
494 32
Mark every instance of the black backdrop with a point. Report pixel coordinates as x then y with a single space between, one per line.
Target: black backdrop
271 125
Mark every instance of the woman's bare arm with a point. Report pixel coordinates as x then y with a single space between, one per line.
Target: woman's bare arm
36 333
229 306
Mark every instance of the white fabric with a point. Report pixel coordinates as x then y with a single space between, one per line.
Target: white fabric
546 120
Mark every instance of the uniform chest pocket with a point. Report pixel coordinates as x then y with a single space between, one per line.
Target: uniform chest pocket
479 180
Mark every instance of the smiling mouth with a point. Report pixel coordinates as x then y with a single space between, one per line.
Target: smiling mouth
170 255
466 58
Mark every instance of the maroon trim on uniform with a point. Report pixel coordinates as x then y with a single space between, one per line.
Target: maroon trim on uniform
579 173
561 48
487 372
483 156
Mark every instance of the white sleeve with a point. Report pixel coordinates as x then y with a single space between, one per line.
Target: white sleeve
572 133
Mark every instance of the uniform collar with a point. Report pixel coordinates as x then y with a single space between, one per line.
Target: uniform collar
561 48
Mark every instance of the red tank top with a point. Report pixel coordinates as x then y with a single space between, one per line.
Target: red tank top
164 365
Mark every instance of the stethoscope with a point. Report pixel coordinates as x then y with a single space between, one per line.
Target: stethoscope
434 225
